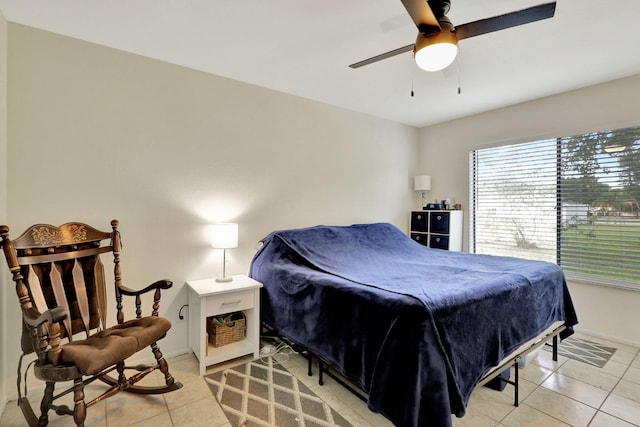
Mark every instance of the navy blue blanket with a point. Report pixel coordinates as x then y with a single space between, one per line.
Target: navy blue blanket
416 328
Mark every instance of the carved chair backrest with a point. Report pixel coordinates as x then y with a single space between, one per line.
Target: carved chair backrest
61 267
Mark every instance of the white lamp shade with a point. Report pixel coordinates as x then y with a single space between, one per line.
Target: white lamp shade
434 52
224 235
422 182
436 57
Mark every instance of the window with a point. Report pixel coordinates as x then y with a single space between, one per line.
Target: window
573 201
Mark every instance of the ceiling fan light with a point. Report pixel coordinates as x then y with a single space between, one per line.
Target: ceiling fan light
437 51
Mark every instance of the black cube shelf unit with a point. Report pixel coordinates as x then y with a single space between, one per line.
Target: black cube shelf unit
437 229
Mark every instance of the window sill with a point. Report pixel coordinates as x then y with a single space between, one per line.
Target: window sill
601 281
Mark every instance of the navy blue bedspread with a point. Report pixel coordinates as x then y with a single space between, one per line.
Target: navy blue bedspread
416 328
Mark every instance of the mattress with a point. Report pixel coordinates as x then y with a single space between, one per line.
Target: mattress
416 328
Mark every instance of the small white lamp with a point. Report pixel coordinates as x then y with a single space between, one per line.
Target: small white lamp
422 183
224 236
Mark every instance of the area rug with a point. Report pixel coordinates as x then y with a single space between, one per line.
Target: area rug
585 351
266 394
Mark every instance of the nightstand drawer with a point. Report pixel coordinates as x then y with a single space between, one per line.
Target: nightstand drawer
420 238
226 303
439 242
439 223
419 221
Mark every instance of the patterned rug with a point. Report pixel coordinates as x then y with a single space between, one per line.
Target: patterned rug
266 394
584 351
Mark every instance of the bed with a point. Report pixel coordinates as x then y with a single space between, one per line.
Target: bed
416 328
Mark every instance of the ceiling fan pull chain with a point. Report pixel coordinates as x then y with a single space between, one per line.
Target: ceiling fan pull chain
459 77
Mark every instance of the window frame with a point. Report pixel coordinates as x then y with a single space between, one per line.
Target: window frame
559 189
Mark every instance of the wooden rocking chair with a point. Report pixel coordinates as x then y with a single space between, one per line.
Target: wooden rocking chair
61 288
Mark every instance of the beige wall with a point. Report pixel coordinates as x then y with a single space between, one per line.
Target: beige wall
444 153
97 133
5 381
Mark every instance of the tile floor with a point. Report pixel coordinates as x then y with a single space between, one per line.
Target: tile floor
562 393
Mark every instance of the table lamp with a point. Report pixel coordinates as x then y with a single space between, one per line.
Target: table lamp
422 183
224 236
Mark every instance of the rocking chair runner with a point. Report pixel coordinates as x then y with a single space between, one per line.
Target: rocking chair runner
61 288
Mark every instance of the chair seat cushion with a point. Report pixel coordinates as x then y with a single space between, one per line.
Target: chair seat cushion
115 344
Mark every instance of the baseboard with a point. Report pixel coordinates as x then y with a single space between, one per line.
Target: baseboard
3 404
176 353
606 337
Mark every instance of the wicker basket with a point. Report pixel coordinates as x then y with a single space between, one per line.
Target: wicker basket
232 329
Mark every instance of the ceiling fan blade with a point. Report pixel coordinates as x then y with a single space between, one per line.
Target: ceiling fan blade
508 20
422 15
382 56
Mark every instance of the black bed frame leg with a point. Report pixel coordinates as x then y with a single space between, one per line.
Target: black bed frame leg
555 348
321 373
516 380
309 364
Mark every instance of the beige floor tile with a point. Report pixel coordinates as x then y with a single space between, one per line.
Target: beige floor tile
361 416
301 373
187 364
535 373
578 390
223 365
623 408
297 361
12 416
96 417
128 409
96 414
605 420
497 404
628 389
632 374
473 420
614 368
193 388
636 361
545 359
530 417
201 413
589 374
565 398
560 407
335 395
376 420
162 420
624 357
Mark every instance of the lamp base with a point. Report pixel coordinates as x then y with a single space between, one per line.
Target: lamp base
224 279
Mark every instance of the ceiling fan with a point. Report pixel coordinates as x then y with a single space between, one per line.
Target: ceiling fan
436 46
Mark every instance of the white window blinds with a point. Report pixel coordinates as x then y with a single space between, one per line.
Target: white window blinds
600 191
573 201
515 200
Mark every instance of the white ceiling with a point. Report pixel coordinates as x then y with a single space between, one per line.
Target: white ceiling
304 48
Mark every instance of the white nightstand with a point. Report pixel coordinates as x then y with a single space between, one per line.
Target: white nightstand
209 298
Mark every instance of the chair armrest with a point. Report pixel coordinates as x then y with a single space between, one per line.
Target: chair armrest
160 284
52 316
157 286
45 338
